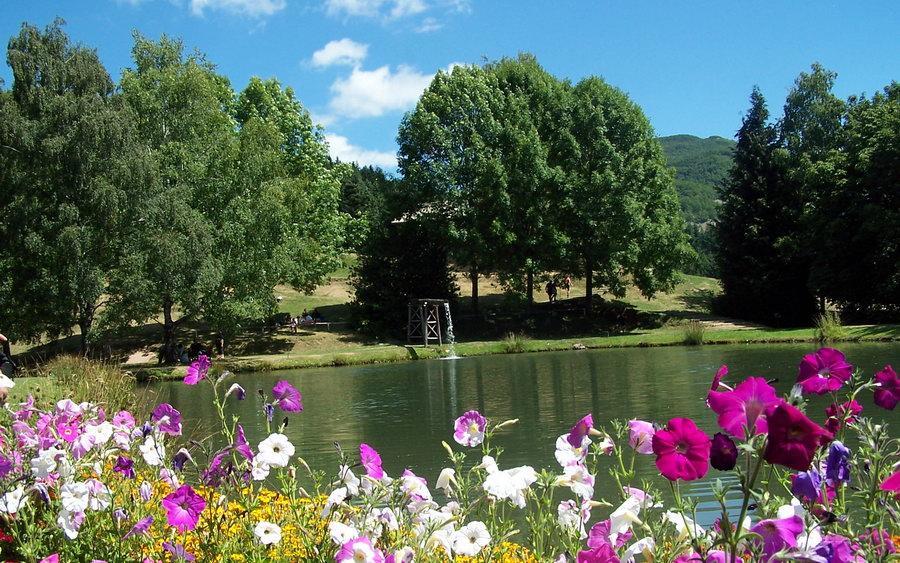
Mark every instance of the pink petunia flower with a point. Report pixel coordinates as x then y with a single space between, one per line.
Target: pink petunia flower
640 436
468 429
603 553
371 461
837 412
68 431
778 534
793 438
888 392
581 429
717 379
744 406
287 397
52 558
682 450
892 484
359 549
183 508
823 372
197 370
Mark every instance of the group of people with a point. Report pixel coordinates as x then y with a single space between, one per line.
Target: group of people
306 318
187 355
553 285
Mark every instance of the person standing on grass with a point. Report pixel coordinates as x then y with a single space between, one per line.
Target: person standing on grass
220 345
567 284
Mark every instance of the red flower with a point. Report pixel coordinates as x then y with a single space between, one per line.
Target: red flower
793 438
682 450
824 371
836 414
888 392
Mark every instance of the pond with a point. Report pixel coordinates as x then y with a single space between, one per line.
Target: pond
405 410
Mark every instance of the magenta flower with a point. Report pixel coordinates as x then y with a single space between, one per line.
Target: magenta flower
793 438
241 445
183 508
888 392
601 531
371 461
717 379
469 429
140 527
837 413
778 534
581 429
52 558
892 484
682 450
640 436
167 418
825 371
68 431
745 406
603 553
359 549
287 397
197 370
723 453
125 467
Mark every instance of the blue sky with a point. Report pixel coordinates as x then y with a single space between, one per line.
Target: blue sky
357 65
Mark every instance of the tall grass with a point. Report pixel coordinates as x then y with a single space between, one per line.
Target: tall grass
829 327
694 332
513 343
96 382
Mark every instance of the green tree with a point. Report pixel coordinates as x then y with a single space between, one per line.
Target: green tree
621 210
758 228
859 262
362 197
70 170
450 160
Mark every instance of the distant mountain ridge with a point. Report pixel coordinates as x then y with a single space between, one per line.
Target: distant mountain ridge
700 167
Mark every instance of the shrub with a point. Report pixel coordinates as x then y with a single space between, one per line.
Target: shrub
829 327
91 381
514 343
694 332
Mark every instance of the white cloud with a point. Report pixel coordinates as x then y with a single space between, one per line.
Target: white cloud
384 9
255 8
340 147
341 52
370 93
428 25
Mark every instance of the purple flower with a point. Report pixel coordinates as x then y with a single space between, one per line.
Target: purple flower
241 445
125 467
825 371
837 549
287 397
640 436
837 464
723 453
888 392
146 491
238 391
167 418
181 458
778 534
371 461
197 370
178 550
183 508
6 465
139 528
468 429
119 514
581 429
807 485
212 476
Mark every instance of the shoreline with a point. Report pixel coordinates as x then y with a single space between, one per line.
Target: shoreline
394 353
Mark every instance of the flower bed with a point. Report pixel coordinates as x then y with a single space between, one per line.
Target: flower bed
81 484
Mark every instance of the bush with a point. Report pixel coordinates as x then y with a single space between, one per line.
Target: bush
90 381
514 343
829 327
693 333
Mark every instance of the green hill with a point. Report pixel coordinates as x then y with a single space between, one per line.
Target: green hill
700 165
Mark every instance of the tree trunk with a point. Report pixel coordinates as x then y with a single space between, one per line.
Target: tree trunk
588 284
85 322
167 355
529 287
474 277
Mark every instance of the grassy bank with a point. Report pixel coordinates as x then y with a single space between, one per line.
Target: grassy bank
387 353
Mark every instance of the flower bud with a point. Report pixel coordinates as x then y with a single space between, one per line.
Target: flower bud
447 448
506 423
723 453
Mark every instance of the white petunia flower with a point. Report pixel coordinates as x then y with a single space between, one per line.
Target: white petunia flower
623 517
100 497
70 522
445 479
471 539
643 547
349 480
567 455
259 470
341 533
267 533
45 463
442 538
577 478
404 555
684 525
12 501
276 450
152 450
489 464
75 496
336 497
510 484
572 517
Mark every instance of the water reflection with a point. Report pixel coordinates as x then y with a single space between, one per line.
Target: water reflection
405 410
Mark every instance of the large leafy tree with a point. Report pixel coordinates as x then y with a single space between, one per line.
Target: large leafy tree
621 209
70 171
454 178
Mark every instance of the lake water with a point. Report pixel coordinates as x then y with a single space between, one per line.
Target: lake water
405 410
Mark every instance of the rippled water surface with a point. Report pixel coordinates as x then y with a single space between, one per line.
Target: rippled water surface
405 410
